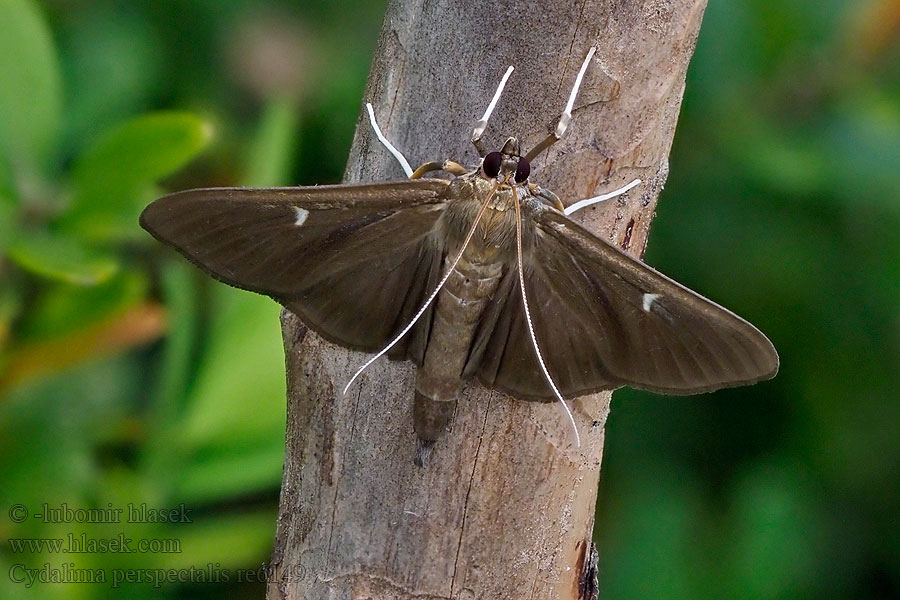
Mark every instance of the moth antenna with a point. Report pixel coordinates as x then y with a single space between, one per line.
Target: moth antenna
481 125
534 343
397 154
430 298
589 201
566 116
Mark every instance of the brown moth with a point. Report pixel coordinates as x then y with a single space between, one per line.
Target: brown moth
473 275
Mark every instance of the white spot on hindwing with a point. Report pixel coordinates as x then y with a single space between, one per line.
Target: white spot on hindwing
302 215
648 300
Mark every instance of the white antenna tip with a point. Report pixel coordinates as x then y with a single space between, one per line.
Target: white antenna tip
481 125
404 164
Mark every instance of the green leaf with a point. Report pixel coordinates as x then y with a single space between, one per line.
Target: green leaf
7 219
64 307
162 459
60 257
238 394
114 179
231 470
861 144
31 93
231 540
116 60
7 180
50 428
8 203
272 152
10 307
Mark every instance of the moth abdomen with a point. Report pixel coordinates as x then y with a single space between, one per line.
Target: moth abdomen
460 305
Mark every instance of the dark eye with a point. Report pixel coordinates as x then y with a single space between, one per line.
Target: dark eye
491 164
522 170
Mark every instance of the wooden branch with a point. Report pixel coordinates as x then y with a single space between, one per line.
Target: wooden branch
505 508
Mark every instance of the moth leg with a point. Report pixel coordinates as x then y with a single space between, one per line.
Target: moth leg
452 167
588 201
397 154
547 195
566 116
481 125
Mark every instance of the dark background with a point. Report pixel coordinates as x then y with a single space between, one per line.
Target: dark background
126 377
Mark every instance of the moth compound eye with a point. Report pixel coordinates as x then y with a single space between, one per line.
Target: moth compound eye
522 170
491 164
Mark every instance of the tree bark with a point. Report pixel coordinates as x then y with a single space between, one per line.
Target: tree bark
505 507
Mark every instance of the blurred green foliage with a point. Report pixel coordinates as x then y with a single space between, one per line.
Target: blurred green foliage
126 377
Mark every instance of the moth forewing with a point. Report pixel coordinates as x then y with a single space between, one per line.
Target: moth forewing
646 330
331 254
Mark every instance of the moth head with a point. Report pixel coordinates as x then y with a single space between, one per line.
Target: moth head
506 165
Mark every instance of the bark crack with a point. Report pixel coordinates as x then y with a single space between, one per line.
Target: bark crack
337 481
396 93
565 70
462 527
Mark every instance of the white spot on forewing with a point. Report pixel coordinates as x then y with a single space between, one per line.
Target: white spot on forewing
649 299
302 215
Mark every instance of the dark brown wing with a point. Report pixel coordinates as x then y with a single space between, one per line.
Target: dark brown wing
604 320
354 262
